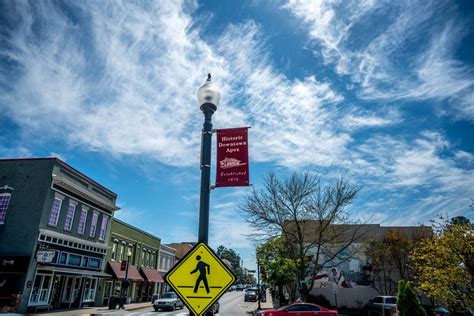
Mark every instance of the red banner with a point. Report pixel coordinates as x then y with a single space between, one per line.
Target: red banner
232 157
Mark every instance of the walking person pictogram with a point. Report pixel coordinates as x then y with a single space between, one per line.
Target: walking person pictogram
203 269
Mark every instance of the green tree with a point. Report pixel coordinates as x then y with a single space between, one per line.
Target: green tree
310 217
389 259
279 269
444 263
234 259
408 303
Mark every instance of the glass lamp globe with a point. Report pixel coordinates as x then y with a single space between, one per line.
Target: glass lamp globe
208 93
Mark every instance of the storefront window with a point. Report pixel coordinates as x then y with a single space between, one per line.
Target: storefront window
89 289
94 263
74 260
85 262
41 289
62 259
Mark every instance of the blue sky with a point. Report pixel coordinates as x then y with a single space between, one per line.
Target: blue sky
380 92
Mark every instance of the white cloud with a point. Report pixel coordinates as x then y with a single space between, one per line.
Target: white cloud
373 42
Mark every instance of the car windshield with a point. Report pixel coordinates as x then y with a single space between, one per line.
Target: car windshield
169 295
391 300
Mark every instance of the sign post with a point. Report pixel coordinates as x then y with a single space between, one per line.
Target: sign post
200 279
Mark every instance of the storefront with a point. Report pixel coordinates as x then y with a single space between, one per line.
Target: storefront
64 288
114 287
12 278
150 285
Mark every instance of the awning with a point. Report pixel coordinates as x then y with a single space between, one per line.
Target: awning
132 271
75 271
151 275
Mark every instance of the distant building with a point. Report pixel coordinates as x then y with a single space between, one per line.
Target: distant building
181 248
141 250
54 232
167 261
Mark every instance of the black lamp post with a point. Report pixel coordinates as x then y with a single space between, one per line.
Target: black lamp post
125 283
208 99
259 307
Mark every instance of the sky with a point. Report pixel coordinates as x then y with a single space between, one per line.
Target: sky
378 92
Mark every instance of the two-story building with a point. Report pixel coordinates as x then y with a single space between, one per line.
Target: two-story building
54 231
167 261
139 250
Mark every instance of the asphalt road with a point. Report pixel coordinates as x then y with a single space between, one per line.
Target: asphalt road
231 304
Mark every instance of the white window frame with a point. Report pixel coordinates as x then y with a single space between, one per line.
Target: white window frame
81 228
70 220
103 227
3 211
41 290
55 224
93 227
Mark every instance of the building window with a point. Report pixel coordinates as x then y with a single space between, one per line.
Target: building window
90 286
41 289
85 262
4 201
74 260
93 227
55 210
103 227
94 263
82 222
121 252
69 216
114 251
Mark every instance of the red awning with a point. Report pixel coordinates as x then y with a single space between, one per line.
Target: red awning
132 271
151 275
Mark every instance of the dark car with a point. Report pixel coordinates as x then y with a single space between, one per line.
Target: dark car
302 309
251 295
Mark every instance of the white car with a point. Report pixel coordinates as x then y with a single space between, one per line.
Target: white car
169 301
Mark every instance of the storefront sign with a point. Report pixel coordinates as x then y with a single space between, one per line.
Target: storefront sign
232 157
45 256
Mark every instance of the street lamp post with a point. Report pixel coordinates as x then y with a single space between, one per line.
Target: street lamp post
208 99
125 283
259 307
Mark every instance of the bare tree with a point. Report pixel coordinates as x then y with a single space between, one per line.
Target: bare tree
311 218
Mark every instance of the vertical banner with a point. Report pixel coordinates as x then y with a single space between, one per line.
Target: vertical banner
232 157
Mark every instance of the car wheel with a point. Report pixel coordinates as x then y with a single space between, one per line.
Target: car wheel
156 309
173 308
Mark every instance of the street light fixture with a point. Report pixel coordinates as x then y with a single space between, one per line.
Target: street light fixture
126 281
208 98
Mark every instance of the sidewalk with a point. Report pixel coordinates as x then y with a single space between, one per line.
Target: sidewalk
268 304
99 310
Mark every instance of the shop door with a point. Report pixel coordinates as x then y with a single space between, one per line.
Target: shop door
67 290
56 294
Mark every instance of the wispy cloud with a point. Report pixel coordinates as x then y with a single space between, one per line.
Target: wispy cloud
373 42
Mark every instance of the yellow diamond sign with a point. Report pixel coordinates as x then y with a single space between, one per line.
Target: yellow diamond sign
200 278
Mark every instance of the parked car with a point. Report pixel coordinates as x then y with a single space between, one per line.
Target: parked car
381 306
440 311
300 309
169 300
250 295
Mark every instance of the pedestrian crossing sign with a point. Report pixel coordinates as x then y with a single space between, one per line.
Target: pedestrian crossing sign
200 278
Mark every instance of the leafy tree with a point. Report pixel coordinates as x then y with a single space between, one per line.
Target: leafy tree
310 217
444 263
234 259
389 258
408 303
279 269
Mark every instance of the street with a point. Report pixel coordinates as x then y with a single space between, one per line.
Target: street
231 303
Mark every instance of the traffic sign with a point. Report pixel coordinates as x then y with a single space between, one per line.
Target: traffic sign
200 278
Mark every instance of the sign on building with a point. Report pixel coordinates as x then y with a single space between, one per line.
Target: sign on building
45 256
